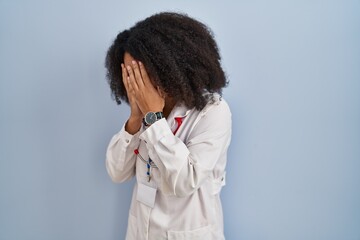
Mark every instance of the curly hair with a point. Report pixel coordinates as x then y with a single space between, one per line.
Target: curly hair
180 56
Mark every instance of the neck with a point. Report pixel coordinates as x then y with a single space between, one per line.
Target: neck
169 105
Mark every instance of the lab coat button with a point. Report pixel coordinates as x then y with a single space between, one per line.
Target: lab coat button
127 141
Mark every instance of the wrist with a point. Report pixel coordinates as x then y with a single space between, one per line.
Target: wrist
151 117
134 119
153 110
133 125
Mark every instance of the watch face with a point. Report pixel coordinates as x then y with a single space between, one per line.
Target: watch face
150 118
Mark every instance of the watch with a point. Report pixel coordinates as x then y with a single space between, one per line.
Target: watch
152 117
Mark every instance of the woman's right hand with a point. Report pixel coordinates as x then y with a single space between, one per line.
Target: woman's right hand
135 120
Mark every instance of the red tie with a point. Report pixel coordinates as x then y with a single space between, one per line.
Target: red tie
179 122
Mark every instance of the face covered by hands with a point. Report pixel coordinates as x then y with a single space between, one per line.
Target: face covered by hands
143 96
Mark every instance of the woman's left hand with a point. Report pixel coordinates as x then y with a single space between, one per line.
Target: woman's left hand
148 98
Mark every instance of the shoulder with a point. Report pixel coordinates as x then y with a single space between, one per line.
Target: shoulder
215 115
217 106
213 121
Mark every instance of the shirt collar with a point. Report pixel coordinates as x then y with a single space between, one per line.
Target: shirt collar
179 110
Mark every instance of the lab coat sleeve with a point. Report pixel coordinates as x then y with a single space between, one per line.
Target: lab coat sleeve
185 166
120 157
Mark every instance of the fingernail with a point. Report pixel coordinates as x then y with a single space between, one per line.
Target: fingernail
140 63
128 68
133 62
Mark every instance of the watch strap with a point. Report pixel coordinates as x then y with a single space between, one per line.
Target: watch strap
159 115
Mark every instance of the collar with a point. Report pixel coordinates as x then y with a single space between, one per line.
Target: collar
179 111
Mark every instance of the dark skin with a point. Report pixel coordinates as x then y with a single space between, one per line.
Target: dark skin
143 96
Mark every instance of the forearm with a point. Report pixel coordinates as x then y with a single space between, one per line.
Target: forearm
120 158
133 125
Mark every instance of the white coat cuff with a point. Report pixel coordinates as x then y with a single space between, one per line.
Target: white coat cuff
156 131
125 137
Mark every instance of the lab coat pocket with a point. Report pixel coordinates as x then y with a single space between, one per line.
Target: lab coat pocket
196 234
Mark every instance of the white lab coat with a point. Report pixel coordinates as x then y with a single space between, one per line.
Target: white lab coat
189 174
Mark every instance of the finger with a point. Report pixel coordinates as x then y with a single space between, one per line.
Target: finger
126 82
137 74
132 78
124 77
144 75
131 89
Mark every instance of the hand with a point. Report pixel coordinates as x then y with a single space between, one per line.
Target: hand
134 122
135 110
148 98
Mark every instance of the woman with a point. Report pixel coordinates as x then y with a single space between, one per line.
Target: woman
167 68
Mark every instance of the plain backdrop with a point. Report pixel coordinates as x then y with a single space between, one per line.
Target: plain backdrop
294 161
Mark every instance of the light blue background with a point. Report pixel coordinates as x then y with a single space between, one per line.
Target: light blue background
294 161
